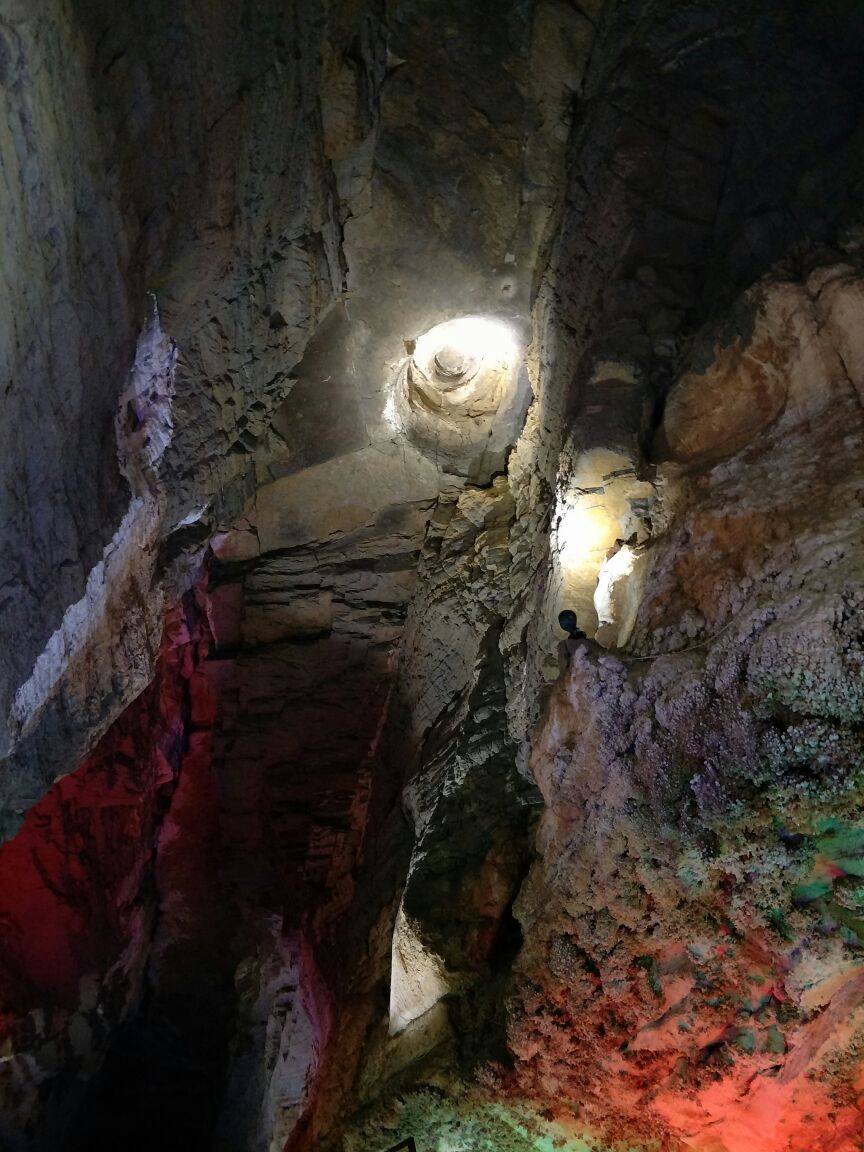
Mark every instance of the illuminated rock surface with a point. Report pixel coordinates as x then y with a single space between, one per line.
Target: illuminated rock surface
343 346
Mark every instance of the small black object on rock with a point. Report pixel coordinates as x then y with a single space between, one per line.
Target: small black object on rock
567 620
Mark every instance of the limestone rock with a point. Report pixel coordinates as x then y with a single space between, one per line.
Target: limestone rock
618 909
693 803
716 413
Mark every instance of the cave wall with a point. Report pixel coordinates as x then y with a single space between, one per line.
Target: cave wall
367 865
78 892
68 335
692 913
683 191
170 190
254 171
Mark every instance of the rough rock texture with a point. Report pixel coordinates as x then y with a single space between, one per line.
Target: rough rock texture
67 338
692 932
103 654
371 875
260 161
173 174
76 895
659 231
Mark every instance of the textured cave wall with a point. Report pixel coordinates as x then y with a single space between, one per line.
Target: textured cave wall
692 932
175 176
181 153
77 886
708 146
67 337
253 158
305 189
245 159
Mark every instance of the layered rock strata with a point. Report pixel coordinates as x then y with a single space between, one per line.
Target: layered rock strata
316 924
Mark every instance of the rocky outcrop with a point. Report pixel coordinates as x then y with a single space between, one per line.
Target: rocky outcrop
104 652
463 315
688 961
68 330
691 928
76 893
231 225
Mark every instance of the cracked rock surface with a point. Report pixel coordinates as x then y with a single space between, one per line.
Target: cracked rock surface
315 836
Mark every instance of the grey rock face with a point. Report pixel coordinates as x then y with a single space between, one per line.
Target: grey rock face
67 337
211 214
279 178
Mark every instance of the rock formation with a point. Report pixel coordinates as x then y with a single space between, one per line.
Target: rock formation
343 346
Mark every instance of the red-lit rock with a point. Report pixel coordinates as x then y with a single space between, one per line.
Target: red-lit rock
77 902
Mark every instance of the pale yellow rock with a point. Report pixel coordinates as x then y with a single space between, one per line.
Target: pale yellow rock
841 309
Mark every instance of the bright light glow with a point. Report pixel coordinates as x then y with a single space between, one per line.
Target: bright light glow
461 370
583 530
417 980
390 413
475 342
616 568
